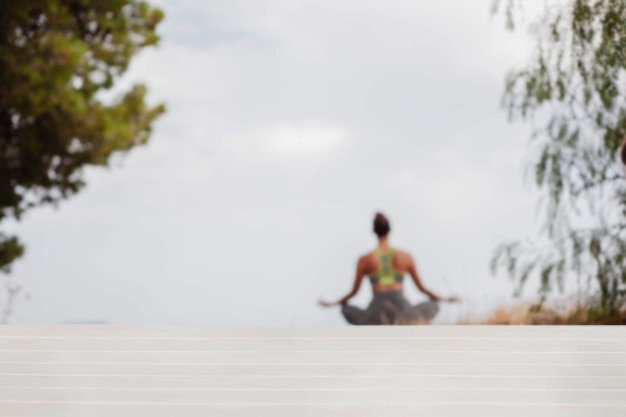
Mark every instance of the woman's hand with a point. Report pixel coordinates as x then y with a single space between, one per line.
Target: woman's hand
452 299
327 304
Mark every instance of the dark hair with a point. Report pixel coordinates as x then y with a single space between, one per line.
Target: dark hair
381 225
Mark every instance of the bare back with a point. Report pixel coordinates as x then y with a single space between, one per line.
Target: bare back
401 262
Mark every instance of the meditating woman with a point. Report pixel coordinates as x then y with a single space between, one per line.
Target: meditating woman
386 268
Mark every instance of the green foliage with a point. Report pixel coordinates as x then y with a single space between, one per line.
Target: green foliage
55 57
573 89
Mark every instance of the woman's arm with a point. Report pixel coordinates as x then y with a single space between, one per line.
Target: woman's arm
418 282
358 279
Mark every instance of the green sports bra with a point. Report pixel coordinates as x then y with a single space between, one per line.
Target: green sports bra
386 274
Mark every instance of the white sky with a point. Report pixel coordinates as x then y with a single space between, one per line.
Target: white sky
289 124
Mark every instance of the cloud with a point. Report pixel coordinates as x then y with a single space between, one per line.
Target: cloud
288 124
458 194
288 142
451 194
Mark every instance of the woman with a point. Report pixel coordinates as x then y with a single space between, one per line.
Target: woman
386 268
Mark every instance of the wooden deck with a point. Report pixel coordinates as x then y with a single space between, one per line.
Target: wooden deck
94 371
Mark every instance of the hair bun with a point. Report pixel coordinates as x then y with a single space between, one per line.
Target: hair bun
381 225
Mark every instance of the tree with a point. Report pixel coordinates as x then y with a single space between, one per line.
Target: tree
56 56
573 90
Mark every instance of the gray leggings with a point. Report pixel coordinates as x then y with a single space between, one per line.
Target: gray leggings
391 308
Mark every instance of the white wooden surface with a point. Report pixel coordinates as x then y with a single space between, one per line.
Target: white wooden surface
95 371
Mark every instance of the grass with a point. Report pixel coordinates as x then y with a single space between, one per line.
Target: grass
568 314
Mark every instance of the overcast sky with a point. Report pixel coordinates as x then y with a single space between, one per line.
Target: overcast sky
289 124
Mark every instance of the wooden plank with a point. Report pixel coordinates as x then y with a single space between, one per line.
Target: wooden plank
313 370
363 396
336 371
473 332
309 410
381 345
341 357
304 382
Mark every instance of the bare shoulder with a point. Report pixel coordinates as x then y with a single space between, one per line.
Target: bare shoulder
403 257
367 262
366 258
402 253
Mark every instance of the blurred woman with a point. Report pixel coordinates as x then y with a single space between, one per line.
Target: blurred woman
386 267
